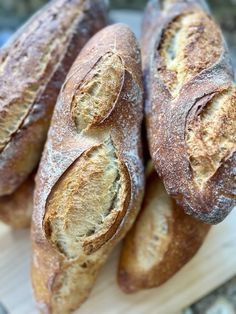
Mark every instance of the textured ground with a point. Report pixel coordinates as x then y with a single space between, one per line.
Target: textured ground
221 301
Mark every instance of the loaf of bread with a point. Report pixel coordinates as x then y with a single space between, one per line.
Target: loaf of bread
16 209
33 66
190 107
90 181
162 240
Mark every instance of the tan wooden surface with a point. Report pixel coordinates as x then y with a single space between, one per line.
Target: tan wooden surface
213 265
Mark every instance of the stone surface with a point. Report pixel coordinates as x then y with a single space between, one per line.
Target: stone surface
221 306
2 309
220 301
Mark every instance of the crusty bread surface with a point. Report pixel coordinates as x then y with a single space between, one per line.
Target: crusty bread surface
90 182
162 240
33 66
16 209
190 107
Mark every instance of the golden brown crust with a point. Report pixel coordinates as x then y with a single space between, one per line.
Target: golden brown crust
90 181
33 67
162 240
16 209
210 136
190 108
110 69
181 49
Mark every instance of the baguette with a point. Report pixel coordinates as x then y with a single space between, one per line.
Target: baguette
33 66
162 240
190 108
90 181
16 209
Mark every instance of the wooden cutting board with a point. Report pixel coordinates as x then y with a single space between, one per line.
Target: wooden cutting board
213 265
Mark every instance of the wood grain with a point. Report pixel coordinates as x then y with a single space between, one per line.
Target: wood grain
214 264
